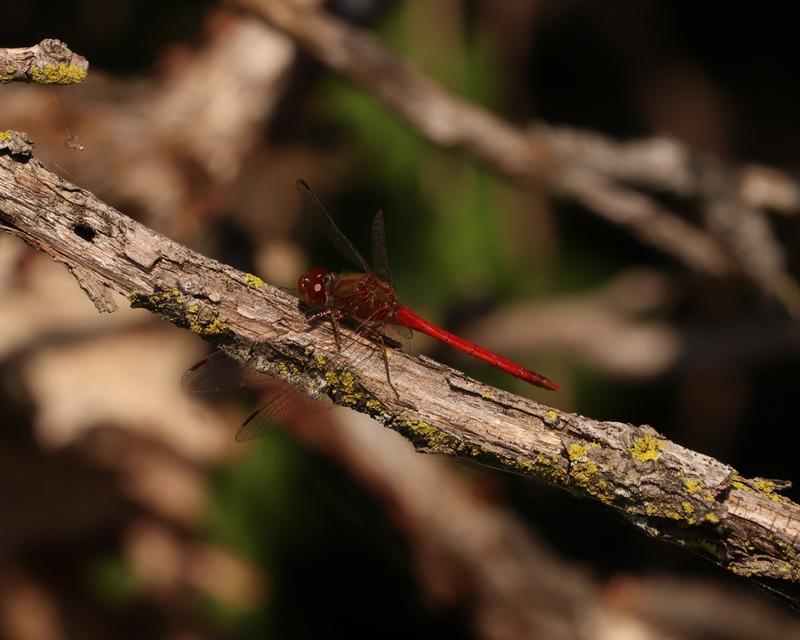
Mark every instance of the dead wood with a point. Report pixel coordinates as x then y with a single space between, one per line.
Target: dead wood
666 490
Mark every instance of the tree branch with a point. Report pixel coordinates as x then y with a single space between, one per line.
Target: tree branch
582 166
666 490
49 62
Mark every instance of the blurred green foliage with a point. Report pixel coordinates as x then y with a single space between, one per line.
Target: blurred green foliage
322 544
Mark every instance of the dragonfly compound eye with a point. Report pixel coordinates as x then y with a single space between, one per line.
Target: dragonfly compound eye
313 287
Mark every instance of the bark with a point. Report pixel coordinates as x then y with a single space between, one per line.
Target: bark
665 489
49 62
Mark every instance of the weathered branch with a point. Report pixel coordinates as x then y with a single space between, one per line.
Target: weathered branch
49 62
665 489
582 166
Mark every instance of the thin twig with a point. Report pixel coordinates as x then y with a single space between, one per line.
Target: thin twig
663 488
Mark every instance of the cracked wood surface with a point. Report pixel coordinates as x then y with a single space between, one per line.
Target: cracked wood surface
661 487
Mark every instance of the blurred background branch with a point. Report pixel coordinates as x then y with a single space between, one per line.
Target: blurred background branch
580 165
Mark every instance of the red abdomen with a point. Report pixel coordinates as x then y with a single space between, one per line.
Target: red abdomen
404 316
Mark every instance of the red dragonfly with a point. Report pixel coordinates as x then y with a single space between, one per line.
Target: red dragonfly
366 299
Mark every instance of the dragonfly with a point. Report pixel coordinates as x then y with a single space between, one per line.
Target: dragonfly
365 299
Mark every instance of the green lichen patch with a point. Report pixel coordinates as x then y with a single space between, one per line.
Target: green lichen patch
57 74
646 448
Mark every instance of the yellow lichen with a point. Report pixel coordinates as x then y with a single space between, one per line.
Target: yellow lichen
206 327
768 488
576 451
692 486
6 135
57 74
687 507
434 439
582 472
646 448
713 518
170 305
254 281
344 387
765 486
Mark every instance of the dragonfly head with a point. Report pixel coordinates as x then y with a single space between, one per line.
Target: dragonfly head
313 287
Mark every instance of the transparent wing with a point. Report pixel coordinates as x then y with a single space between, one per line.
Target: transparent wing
380 265
283 405
380 256
218 372
397 333
333 233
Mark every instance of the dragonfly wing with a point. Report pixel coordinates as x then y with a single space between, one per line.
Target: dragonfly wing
334 234
380 256
284 404
397 333
218 372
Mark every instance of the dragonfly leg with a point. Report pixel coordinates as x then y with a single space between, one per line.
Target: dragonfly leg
318 315
332 315
337 336
385 354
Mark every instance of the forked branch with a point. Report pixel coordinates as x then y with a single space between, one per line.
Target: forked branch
663 488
